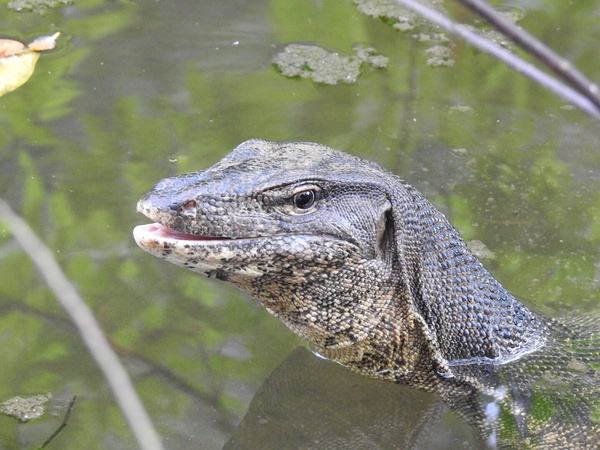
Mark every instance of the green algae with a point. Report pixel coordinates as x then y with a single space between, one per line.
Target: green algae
36 6
370 56
389 11
326 67
440 55
25 408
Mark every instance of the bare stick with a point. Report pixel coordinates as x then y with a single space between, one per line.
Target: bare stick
485 45
88 328
559 65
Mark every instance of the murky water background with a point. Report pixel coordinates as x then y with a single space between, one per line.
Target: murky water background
138 91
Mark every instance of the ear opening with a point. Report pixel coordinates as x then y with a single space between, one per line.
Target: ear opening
385 236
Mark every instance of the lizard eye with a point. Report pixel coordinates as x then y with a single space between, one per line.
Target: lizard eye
304 200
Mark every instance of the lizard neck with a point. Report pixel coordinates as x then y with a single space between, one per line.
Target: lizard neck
469 316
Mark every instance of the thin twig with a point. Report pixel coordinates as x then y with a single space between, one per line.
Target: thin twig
548 57
510 59
88 328
63 423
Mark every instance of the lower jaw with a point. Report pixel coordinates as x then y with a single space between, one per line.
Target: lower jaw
159 231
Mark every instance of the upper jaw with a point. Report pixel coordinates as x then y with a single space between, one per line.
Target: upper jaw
159 215
166 234
200 246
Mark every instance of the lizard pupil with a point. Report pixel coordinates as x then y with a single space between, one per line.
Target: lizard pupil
304 199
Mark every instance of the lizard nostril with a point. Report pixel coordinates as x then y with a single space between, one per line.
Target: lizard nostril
190 204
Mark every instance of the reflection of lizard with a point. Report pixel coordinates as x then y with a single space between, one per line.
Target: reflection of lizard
308 402
361 265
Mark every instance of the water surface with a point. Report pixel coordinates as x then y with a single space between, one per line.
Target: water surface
139 91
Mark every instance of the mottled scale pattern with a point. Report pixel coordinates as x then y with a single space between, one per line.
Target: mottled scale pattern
374 277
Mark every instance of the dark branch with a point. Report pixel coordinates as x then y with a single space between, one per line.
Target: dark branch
548 57
63 423
510 59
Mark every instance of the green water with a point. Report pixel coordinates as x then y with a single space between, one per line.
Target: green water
137 91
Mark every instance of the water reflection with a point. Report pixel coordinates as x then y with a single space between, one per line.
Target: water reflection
545 400
308 402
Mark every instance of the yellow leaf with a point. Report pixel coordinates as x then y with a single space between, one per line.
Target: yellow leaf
17 61
16 70
8 47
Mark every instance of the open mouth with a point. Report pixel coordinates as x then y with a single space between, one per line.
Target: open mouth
161 232
201 254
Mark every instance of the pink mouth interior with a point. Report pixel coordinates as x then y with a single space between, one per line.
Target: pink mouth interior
159 230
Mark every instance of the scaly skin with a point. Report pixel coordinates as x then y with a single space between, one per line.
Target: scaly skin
370 274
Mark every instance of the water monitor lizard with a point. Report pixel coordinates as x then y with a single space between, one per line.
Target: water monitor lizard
373 276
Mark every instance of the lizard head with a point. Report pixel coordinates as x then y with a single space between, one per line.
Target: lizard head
347 255
298 226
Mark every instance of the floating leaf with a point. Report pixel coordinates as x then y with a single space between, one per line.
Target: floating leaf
9 47
16 70
43 43
17 61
